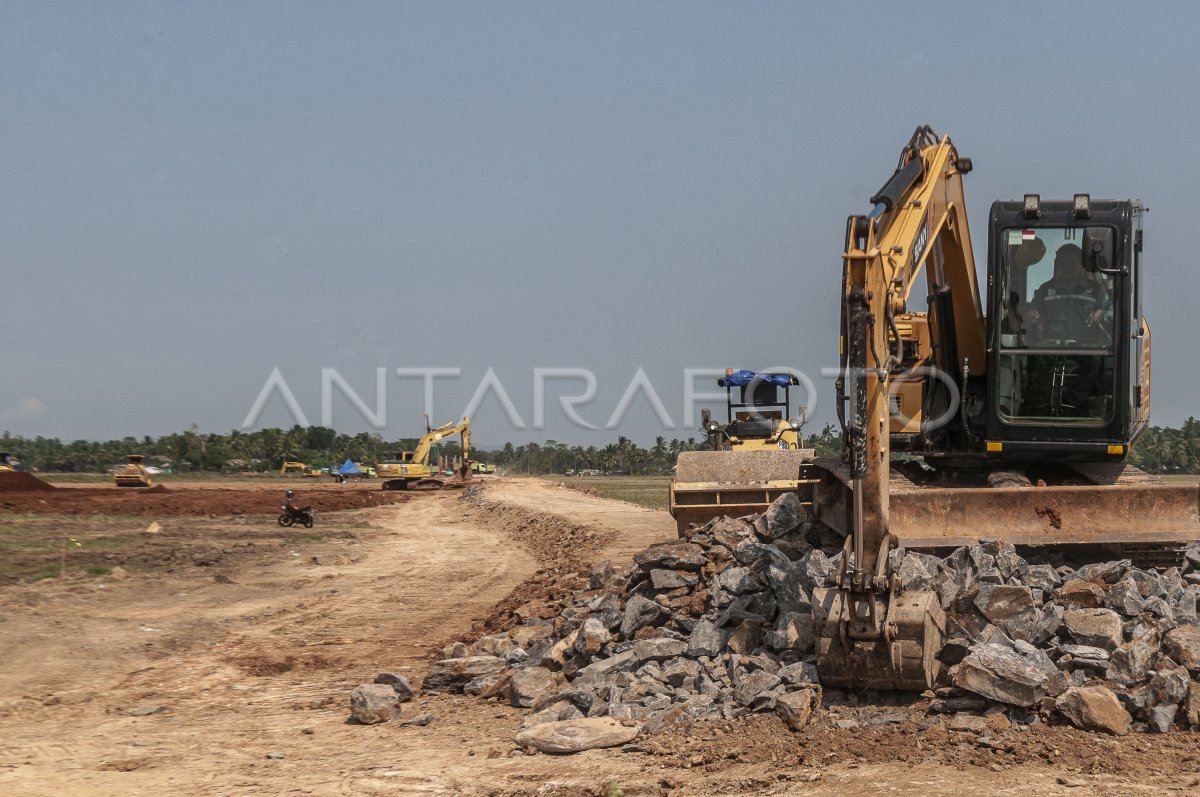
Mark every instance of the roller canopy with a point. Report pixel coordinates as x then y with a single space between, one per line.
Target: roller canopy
741 378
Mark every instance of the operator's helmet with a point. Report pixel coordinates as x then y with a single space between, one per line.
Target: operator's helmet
290 494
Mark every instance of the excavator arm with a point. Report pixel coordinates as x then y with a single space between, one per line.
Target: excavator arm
918 224
871 632
425 444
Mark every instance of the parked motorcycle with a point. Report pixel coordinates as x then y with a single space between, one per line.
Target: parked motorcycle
296 514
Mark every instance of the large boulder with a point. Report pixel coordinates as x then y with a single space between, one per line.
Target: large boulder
1169 687
739 581
1162 718
398 682
1101 628
1191 705
1010 607
671 556
677 718
1130 663
591 638
658 649
663 580
599 669
573 736
1094 708
681 673
792 631
999 673
913 573
706 639
796 708
1124 597
451 675
787 583
1040 577
533 685
753 685
641 612
374 703
1079 594
784 515
1182 644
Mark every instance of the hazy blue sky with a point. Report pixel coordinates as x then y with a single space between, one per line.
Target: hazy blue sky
193 194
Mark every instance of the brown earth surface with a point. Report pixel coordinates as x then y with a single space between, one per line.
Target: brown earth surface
19 482
182 679
182 499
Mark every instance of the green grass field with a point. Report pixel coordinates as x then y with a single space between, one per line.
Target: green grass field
647 491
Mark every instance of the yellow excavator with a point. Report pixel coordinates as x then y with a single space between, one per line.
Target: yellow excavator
132 473
1016 410
7 462
757 454
293 468
411 469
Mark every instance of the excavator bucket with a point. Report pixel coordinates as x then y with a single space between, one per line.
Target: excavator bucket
878 641
712 484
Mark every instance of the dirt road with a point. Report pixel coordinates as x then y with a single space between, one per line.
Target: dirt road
235 670
632 527
235 681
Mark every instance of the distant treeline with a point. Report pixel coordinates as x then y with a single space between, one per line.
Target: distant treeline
317 446
1163 449
1160 450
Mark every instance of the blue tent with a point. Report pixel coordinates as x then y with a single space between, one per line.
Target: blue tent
349 469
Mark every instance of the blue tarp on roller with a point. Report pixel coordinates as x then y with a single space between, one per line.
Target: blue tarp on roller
739 378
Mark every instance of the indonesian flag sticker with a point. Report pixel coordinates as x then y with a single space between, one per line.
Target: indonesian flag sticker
1028 235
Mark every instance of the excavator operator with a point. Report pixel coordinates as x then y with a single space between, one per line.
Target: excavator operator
1069 308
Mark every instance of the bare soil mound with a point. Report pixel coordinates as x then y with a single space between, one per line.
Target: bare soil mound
18 482
159 501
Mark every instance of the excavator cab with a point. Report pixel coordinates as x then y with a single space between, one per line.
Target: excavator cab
1066 363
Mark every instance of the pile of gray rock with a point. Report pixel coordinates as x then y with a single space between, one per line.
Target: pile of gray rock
1104 645
715 626
719 625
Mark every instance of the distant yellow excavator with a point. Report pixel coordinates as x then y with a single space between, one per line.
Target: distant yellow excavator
412 469
133 473
293 468
6 462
